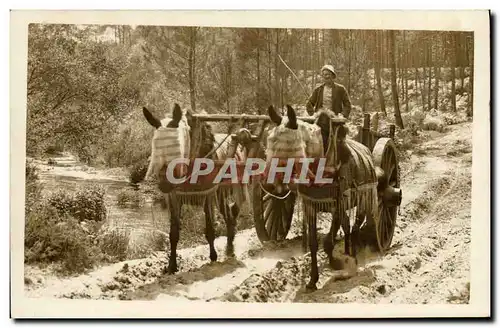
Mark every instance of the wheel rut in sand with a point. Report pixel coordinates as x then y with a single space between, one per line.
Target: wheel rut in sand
428 261
212 280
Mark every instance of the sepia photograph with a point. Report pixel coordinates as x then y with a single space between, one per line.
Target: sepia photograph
244 164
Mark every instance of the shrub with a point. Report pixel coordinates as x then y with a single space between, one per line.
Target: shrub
433 124
31 171
131 144
148 243
114 244
62 201
33 187
138 171
54 237
150 190
450 118
90 203
54 149
132 198
406 139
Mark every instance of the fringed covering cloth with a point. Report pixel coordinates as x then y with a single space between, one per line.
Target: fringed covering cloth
172 143
287 143
168 144
355 190
284 143
361 181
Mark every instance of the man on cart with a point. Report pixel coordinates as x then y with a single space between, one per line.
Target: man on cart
329 95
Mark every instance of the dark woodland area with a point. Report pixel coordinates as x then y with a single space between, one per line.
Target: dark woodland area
86 84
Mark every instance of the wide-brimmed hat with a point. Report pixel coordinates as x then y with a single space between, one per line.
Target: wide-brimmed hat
329 68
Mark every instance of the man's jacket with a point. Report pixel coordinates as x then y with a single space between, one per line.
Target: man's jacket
340 100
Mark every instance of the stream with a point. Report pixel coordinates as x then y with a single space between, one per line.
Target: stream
66 173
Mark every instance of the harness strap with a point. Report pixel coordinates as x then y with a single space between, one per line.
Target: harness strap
273 195
198 130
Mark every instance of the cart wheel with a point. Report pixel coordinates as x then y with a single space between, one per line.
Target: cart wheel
385 157
272 216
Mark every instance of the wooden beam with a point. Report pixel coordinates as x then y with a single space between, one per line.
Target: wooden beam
252 118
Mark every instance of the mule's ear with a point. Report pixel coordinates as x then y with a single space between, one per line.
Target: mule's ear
150 118
273 115
292 117
176 113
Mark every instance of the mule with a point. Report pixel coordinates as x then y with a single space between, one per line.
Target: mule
351 165
196 140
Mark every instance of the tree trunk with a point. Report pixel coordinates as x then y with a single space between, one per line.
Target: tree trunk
453 75
349 64
269 75
311 53
400 73
323 45
423 86
429 89
378 59
401 81
394 86
257 91
406 71
462 77
416 82
463 40
276 70
191 68
471 79
407 101
437 72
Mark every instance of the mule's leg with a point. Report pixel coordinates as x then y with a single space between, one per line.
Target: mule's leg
209 228
329 240
346 227
175 211
355 235
230 213
313 246
305 234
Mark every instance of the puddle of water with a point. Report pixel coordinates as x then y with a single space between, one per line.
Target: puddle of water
69 175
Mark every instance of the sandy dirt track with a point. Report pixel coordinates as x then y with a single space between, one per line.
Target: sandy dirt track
427 263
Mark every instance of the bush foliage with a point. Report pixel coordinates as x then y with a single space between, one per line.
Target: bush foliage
33 187
130 198
61 227
52 236
87 203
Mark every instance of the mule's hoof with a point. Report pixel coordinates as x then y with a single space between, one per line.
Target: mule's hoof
310 287
213 257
